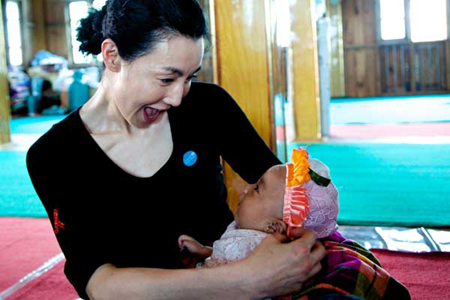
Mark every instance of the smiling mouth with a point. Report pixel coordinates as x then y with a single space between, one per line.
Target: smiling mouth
151 114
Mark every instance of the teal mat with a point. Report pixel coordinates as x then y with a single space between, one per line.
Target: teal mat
379 184
33 125
393 110
389 184
17 195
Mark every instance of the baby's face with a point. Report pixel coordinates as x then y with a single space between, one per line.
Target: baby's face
263 201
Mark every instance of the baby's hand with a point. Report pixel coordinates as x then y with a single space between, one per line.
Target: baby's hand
188 242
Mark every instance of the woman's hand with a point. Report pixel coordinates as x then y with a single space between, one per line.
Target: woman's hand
194 247
280 267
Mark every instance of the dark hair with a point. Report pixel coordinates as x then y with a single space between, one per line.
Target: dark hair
136 26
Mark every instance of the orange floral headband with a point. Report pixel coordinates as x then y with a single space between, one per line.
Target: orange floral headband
296 203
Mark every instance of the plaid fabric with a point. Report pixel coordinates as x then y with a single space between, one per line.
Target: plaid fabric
350 271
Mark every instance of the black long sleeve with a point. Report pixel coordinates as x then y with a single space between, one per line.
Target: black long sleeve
108 215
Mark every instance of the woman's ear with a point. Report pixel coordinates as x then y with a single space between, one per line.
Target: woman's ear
110 55
276 226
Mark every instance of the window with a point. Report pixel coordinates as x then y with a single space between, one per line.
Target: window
392 15
283 23
98 4
14 33
77 11
427 20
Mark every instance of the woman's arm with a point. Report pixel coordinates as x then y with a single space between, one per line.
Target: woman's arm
235 137
274 268
112 283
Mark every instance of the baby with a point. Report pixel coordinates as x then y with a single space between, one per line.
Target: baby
297 194
300 194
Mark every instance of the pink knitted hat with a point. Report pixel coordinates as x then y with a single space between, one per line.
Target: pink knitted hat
310 198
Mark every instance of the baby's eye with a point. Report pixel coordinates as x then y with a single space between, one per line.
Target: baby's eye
257 188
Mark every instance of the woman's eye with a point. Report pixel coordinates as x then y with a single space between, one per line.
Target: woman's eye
166 80
191 77
257 188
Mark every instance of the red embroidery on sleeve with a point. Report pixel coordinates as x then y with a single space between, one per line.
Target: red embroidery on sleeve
58 223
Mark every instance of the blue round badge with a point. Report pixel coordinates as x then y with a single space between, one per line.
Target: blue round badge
190 158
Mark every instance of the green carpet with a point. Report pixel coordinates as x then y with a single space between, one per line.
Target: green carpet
389 184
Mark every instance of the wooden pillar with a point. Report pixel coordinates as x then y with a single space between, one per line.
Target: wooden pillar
5 112
242 69
306 71
324 53
411 49
337 49
447 46
242 59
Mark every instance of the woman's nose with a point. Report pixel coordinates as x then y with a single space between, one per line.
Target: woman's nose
176 96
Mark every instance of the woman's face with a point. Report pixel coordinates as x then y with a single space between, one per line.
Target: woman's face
263 201
151 84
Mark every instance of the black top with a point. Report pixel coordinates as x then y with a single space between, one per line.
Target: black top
102 214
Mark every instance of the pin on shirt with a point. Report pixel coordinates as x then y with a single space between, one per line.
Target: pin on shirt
190 158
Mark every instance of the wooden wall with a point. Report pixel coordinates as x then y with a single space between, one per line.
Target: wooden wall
362 72
55 27
44 28
375 68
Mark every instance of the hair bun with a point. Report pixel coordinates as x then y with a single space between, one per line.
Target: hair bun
137 26
90 32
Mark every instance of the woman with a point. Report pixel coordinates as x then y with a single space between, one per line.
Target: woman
139 164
